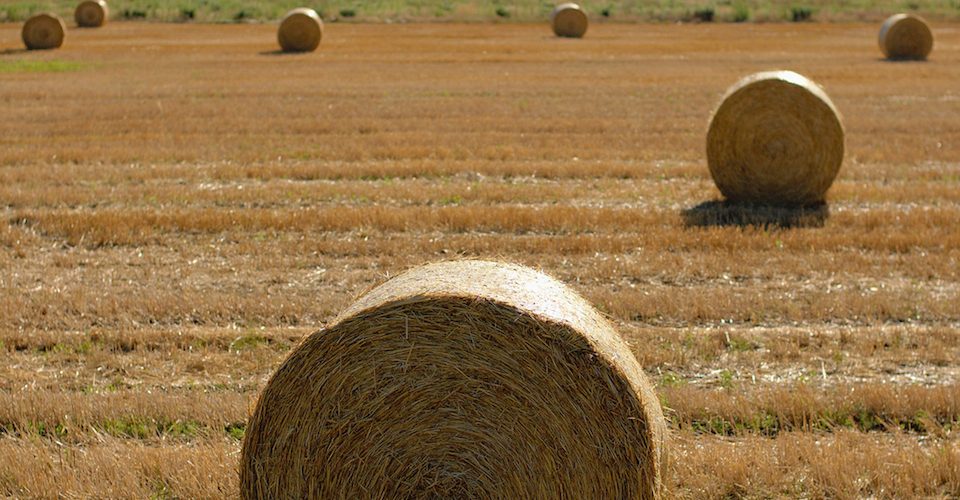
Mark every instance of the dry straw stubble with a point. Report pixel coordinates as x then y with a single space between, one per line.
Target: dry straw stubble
91 13
300 31
775 139
44 31
569 20
905 36
459 379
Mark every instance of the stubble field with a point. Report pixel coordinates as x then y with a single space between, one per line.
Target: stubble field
180 205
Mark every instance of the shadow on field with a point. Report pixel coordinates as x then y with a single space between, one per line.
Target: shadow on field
279 52
902 60
7 52
725 213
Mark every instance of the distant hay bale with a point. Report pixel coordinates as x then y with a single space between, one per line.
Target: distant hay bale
300 31
44 31
569 20
466 379
91 13
906 36
775 139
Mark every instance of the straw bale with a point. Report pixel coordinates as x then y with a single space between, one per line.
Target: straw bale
91 13
569 20
44 31
465 379
906 36
300 31
775 139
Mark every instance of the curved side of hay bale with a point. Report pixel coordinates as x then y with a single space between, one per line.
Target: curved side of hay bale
91 13
775 139
906 36
300 31
459 379
44 31
569 20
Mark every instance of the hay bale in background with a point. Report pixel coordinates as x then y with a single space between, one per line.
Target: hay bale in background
91 13
466 379
300 31
44 31
569 20
775 139
906 36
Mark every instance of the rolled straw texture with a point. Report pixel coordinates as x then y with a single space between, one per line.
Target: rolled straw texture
775 139
44 31
300 31
466 379
91 13
569 20
905 36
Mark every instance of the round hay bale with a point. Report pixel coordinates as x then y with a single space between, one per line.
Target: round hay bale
91 13
467 379
906 36
569 20
44 31
775 139
300 31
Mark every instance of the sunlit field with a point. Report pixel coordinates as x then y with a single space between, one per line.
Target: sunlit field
181 204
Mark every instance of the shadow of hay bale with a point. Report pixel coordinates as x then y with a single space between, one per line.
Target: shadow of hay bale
279 52
726 213
901 60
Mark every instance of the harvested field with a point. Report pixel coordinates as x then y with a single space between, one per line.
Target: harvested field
180 205
494 10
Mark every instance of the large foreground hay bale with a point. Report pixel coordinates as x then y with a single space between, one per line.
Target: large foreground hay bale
91 13
775 139
466 379
569 20
44 31
300 31
906 36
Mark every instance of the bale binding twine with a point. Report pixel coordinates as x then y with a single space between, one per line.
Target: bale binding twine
569 20
44 31
775 139
465 379
300 31
91 13
906 36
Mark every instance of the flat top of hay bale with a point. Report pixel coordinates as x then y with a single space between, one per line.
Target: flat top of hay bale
459 379
905 36
776 138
